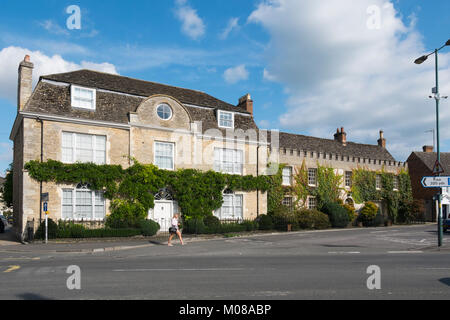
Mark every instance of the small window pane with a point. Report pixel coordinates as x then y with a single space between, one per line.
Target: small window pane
225 119
164 112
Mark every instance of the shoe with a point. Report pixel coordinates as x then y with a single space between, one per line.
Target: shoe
170 245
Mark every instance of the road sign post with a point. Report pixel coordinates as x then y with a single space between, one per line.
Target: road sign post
46 221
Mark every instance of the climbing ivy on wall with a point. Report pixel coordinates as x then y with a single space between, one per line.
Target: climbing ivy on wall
197 193
329 188
364 189
276 191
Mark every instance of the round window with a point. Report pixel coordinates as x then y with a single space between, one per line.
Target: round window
164 111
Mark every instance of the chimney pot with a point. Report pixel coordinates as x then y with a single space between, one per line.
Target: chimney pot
341 136
428 149
25 82
246 103
382 140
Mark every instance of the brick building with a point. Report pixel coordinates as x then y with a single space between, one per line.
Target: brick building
421 165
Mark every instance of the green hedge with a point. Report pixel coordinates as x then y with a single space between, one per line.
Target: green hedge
70 230
210 225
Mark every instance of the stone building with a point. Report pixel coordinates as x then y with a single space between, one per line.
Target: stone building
421 165
88 116
338 153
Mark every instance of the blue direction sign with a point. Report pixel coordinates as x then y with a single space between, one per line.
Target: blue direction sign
45 206
436 182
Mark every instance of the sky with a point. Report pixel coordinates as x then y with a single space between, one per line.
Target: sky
310 66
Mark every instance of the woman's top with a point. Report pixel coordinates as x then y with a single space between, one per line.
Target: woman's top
175 223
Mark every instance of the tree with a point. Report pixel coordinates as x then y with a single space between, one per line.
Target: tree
7 194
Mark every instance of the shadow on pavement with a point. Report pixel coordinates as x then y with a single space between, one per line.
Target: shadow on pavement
445 281
32 296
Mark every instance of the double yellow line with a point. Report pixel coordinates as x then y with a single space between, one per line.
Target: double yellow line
11 269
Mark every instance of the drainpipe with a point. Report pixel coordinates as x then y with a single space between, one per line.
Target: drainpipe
257 175
42 160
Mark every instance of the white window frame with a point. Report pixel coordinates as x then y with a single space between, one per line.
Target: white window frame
218 212
219 114
309 203
73 101
289 204
164 105
284 176
395 183
348 185
173 154
234 164
94 146
74 205
315 179
378 182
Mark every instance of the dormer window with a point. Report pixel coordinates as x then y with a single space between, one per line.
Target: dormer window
83 98
226 119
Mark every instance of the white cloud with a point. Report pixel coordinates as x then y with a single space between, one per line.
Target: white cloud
233 23
192 25
53 28
10 58
339 72
236 74
268 76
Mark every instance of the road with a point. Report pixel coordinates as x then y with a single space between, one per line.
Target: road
304 265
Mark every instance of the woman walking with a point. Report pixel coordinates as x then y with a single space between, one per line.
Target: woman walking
175 230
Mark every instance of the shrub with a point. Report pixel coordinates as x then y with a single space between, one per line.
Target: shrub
149 227
264 222
312 219
230 227
194 226
211 221
52 230
250 225
411 211
368 213
352 215
282 217
125 214
338 214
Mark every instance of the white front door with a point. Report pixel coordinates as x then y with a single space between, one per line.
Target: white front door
163 214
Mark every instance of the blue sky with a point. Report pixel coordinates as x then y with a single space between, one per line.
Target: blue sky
309 67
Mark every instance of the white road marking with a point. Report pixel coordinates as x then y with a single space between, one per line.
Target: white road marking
402 252
204 269
344 252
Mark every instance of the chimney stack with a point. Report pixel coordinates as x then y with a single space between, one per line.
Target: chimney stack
25 85
428 149
246 103
382 140
341 136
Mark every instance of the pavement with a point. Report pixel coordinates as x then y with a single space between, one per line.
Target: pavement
329 264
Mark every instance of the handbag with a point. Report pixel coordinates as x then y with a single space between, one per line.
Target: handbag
173 230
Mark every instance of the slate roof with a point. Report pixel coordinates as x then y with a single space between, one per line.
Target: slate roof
306 143
54 99
429 159
106 81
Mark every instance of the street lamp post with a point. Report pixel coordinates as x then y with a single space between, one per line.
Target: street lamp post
437 97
